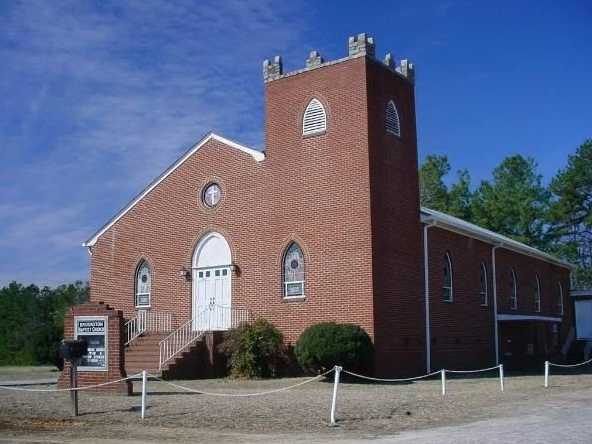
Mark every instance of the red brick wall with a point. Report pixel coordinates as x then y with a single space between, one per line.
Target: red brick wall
462 332
397 248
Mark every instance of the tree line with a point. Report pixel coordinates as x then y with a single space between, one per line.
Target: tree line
556 218
32 321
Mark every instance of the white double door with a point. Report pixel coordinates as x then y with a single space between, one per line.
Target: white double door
212 299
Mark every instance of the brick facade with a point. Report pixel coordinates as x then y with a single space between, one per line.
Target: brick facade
349 197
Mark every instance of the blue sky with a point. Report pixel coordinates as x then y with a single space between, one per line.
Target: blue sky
99 97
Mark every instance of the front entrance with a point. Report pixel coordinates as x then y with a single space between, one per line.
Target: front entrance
212 284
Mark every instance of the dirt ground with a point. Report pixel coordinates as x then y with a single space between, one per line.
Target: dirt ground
363 410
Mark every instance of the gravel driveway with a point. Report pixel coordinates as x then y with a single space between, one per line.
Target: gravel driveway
363 410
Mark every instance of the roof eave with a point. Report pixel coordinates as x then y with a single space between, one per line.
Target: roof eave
500 241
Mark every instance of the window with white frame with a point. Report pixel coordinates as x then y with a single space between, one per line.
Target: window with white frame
513 291
143 285
447 294
293 271
559 298
483 284
537 294
314 120
393 125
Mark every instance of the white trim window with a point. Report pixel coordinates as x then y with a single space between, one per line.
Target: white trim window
483 285
293 272
447 292
393 125
513 291
560 298
314 120
537 295
143 285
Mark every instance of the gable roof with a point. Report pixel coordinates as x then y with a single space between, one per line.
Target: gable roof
255 154
465 228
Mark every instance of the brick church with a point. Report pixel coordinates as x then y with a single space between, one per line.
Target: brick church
324 224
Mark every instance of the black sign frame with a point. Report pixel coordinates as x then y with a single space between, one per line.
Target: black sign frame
94 330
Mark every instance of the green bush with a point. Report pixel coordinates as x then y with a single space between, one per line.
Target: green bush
324 345
254 350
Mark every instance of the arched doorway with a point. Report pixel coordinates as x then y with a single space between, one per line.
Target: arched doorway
212 285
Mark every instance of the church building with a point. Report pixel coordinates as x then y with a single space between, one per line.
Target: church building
324 224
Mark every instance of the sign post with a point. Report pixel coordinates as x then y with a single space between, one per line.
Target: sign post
73 385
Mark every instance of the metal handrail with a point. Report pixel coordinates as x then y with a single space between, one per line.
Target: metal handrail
146 321
213 317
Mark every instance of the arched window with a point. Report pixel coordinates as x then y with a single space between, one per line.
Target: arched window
537 294
393 125
559 298
143 285
293 272
513 291
483 284
315 118
447 282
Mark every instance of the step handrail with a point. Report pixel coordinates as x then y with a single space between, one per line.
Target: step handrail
212 317
146 321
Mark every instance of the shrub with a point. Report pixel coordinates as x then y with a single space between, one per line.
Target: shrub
254 350
324 345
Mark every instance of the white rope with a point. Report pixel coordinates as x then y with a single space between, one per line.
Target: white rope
571 365
370 378
85 387
240 395
473 371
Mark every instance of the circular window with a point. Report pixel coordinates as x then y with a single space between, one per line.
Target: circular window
211 195
294 264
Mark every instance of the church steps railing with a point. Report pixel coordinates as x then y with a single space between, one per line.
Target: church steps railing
212 318
147 321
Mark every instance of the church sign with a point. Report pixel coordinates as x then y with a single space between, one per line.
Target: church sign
92 329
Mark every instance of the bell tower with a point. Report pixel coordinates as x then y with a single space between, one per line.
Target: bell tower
341 136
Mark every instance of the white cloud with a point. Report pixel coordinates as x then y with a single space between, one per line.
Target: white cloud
102 97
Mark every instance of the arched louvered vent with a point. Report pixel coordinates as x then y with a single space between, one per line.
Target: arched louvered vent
315 118
392 119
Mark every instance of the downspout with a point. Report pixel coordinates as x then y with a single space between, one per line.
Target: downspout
495 326
426 280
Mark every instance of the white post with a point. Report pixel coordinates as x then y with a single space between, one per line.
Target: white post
443 378
334 401
501 374
143 393
546 374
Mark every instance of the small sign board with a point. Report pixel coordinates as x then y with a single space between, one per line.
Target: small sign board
92 329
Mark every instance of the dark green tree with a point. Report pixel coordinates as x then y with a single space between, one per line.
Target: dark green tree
433 190
570 215
515 202
32 321
460 197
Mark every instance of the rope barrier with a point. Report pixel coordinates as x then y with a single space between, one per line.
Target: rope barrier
474 371
370 378
570 365
86 387
242 395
